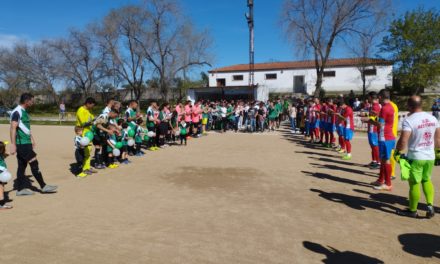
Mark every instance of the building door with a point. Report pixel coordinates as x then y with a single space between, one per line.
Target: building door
221 82
298 84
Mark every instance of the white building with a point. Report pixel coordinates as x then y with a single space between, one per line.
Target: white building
296 77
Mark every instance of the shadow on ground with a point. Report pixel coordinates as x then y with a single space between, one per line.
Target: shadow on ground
334 256
356 202
421 245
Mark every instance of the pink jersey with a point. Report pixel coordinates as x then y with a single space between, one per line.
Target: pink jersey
349 120
179 111
188 112
196 113
386 118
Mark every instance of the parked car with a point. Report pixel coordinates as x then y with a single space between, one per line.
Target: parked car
5 112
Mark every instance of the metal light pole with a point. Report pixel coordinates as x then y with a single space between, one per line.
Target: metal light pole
250 21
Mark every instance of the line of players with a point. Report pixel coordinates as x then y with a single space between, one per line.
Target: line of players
325 118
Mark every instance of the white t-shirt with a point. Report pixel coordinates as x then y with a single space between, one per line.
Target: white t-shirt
421 142
223 111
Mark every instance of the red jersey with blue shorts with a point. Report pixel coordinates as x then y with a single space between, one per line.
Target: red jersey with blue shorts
349 123
373 136
387 140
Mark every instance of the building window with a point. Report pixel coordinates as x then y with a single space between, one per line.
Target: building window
370 72
329 73
221 82
237 77
271 76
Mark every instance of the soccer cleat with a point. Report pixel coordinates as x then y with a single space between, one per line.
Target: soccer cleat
376 183
49 189
407 213
346 157
341 151
151 149
112 166
5 207
24 192
375 166
82 175
383 187
430 212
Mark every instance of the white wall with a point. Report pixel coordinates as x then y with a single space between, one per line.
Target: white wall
346 79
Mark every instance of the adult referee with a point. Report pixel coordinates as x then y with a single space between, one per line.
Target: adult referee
23 144
420 135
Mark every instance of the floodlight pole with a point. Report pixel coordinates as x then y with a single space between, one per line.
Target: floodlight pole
250 21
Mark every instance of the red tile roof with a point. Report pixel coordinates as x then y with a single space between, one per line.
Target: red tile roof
299 65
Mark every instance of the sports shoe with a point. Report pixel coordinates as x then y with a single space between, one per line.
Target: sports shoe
376 183
100 166
49 189
82 175
430 212
5 207
156 148
139 154
88 172
407 213
375 166
25 192
341 151
383 187
92 170
112 166
151 149
393 178
346 157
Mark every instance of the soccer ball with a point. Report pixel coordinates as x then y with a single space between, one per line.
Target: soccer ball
5 176
85 141
130 142
116 152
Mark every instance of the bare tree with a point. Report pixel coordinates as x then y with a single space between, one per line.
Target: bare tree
12 74
117 35
83 62
315 25
174 45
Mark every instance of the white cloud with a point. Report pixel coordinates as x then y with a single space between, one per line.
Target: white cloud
8 40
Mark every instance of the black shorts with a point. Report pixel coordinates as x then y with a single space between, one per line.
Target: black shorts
196 124
25 152
163 128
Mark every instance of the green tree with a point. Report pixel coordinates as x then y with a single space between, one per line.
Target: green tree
414 45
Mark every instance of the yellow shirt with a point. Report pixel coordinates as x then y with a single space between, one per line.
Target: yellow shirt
83 116
396 118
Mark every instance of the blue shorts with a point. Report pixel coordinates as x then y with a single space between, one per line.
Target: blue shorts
322 125
385 149
348 134
316 124
340 130
330 127
373 139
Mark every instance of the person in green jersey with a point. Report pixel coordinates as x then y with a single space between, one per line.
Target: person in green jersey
273 115
183 132
23 144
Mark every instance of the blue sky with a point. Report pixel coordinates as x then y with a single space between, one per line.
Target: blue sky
34 20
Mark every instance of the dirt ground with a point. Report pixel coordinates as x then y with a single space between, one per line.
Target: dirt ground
226 198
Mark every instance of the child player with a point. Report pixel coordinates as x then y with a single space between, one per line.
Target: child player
183 132
3 168
111 144
79 152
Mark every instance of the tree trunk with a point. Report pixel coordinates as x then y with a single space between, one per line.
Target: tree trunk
318 84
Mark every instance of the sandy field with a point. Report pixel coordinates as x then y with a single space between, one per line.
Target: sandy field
226 198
